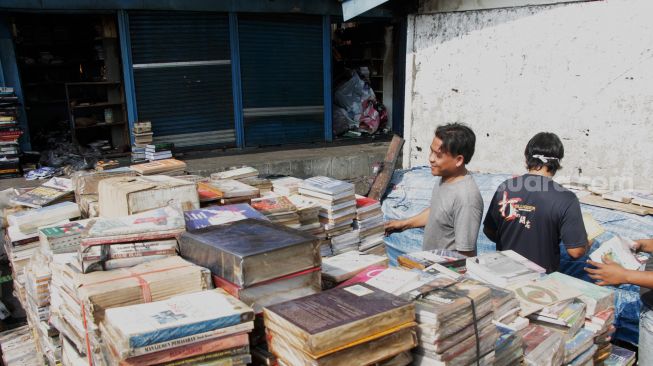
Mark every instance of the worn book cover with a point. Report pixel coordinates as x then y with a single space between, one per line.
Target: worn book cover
218 215
345 266
534 296
273 205
179 316
29 221
542 346
43 195
232 188
327 321
102 257
159 166
326 185
596 298
618 250
239 173
64 238
208 192
251 251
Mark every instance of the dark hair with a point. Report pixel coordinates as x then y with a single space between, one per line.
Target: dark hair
548 145
457 139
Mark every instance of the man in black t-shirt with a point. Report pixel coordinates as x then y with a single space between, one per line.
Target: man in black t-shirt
531 214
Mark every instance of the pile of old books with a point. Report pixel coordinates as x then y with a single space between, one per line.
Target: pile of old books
542 346
166 167
159 151
308 211
241 173
18 348
53 191
263 185
286 186
143 136
509 349
86 188
369 224
503 268
218 215
342 267
232 191
620 357
376 326
9 134
259 262
203 327
278 209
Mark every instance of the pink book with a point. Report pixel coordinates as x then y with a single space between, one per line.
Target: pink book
364 276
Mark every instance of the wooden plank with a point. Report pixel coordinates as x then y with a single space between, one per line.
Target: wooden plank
598 201
384 176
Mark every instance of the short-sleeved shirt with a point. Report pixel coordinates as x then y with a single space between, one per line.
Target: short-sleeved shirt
646 294
455 217
532 215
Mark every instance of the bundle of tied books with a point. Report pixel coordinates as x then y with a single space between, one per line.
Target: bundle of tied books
509 348
233 191
376 326
159 151
208 327
218 215
79 301
170 167
256 261
342 267
278 209
505 307
286 186
53 191
241 173
337 202
86 187
369 223
18 347
109 243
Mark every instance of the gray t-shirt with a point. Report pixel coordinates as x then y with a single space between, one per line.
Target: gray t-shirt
456 212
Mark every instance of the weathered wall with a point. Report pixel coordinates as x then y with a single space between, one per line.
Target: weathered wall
582 70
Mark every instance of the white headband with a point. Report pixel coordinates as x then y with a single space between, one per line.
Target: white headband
544 159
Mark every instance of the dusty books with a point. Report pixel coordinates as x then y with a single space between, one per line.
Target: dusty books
578 345
250 251
365 313
617 249
130 195
342 267
394 281
264 185
162 223
285 288
503 268
346 242
138 326
509 347
326 188
107 257
286 186
28 221
420 260
278 210
218 215
308 211
542 346
166 166
620 357
536 295
596 298
63 238
53 191
231 188
238 173
564 317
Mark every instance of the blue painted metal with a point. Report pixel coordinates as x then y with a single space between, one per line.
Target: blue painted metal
236 85
11 78
181 100
128 71
326 67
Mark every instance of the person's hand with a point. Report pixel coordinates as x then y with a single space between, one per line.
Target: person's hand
394 226
607 273
642 245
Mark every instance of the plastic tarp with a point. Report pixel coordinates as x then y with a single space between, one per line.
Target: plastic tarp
409 193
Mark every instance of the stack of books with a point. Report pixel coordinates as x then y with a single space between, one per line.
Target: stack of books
424 259
308 211
346 242
170 167
376 327
286 186
503 268
143 136
580 349
566 317
455 324
259 262
542 346
218 215
18 347
369 223
203 327
340 268
505 307
234 191
53 191
264 185
508 350
159 151
236 173
9 134
278 210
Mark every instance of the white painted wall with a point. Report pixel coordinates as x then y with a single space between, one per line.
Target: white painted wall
583 70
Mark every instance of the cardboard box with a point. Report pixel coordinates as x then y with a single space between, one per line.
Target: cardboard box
130 195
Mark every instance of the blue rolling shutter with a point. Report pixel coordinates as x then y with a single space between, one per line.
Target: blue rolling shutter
182 76
281 73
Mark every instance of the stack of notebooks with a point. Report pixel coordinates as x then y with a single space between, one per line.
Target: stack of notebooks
208 327
142 137
316 330
234 191
218 215
110 243
245 172
286 186
79 301
343 267
542 346
166 167
369 223
455 324
159 151
53 191
508 350
279 210
9 134
503 268
259 262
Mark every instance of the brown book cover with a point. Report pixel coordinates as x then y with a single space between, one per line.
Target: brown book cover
332 319
273 205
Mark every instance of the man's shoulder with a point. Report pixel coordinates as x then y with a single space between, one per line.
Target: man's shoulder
470 193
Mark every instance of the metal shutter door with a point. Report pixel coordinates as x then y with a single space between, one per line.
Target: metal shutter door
182 76
281 75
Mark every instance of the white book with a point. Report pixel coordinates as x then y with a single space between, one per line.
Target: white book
29 220
326 196
345 266
393 280
232 188
503 268
286 185
618 249
326 185
240 173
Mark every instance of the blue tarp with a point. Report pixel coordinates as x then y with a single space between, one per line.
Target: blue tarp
410 193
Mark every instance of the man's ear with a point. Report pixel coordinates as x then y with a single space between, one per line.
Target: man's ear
460 160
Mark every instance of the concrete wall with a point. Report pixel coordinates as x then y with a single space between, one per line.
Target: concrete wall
583 70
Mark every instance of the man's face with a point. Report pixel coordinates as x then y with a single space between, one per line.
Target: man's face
442 163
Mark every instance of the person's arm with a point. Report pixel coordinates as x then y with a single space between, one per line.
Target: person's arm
418 220
578 252
491 222
572 230
467 222
644 245
610 273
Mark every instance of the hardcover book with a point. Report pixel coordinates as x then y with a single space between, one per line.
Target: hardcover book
218 215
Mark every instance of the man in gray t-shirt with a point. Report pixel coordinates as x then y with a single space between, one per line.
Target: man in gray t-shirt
454 218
